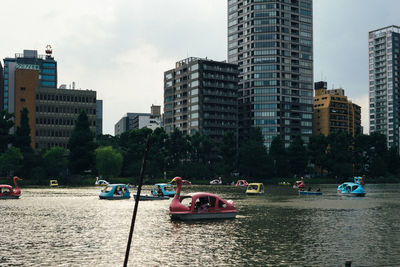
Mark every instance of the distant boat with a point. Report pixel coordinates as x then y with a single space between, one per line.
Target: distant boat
150 197
241 183
310 192
101 182
8 192
115 191
255 189
53 183
284 183
216 181
299 184
352 189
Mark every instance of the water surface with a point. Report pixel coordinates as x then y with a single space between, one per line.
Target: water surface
72 226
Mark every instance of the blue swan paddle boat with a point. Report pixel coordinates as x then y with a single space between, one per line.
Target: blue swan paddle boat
115 191
352 189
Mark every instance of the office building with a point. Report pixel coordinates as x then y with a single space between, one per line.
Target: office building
384 89
272 43
57 111
45 64
29 82
200 95
134 121
333 112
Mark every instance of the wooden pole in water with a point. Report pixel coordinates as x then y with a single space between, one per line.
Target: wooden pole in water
128 247
347 264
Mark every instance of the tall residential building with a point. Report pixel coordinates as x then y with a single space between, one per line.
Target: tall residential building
134 121
200 95
333 112
1 87
272 42
29 59
384 89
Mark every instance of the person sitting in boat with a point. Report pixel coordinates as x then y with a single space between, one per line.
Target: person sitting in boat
309 189
118 191
318 189
159 191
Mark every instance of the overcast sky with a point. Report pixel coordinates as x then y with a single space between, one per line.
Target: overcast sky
121 48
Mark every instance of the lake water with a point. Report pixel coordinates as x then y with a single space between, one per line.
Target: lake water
73 227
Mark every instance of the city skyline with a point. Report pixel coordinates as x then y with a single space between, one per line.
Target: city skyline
121 49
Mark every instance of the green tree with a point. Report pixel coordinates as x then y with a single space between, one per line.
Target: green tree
297 154
107 140
81 145
278 155
6 123
22 134
156 163
254 161
11 161
393 160
178 148
56 159
339 155
108 161
132 145
229 152
317 147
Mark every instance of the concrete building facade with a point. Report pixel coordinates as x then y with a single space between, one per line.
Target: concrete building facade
384 87
333 112
57 111
272 43
134 121
200 95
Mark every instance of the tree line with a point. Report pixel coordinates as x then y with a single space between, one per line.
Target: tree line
338 155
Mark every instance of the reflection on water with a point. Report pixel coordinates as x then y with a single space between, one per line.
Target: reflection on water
72 226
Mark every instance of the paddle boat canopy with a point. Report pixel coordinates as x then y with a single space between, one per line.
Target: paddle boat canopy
352 189
255 189
241 183
100 182
199 206
8 192
115 191
216 181
53 183
162 190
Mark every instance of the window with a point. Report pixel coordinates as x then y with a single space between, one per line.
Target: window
22 99
23 88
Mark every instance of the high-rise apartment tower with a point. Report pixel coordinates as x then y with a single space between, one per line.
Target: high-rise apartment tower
384 72
200 95
272 42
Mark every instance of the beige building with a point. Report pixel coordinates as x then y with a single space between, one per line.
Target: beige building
333 112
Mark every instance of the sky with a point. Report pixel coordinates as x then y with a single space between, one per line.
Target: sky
121 48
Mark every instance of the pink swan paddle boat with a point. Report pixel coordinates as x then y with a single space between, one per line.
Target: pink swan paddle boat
216 181
299 184
199 206
242 183
8 192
